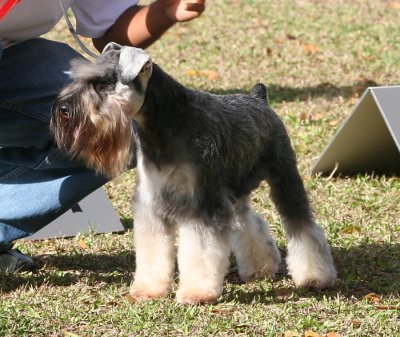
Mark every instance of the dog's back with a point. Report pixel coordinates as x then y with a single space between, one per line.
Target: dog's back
232 142
236 138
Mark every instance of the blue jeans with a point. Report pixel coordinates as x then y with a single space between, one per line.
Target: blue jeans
37 181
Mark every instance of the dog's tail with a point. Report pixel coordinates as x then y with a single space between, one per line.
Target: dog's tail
309 258
260 91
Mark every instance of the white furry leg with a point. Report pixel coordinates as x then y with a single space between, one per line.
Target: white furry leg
155 256
255 250
309 259
203 258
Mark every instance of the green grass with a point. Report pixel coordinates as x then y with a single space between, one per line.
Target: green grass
317 57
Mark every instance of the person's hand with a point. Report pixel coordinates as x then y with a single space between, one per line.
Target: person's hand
140 26
183 10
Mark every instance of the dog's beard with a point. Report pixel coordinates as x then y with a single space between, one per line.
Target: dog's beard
100 134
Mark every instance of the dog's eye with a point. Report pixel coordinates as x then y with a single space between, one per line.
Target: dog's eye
146 67
64 111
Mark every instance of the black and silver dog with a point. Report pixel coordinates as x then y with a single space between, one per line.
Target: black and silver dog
199 157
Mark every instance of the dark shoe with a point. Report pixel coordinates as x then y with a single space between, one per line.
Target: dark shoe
12 260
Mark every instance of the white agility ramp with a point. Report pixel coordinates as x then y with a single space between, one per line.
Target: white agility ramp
369 139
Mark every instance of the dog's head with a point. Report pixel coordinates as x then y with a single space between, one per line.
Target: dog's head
92 116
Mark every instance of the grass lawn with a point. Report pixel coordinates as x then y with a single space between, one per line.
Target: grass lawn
316 57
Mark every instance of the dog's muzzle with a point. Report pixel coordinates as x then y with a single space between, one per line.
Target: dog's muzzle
132 61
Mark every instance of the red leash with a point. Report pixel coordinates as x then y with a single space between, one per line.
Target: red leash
6 7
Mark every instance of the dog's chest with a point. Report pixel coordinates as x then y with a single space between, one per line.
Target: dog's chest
170 188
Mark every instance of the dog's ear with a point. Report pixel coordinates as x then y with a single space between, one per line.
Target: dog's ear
104 67
84 70
260 91
132 62
111 46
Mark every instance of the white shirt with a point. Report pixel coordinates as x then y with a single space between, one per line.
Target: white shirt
31 18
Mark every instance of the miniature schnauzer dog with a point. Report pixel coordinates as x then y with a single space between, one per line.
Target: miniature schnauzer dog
199 157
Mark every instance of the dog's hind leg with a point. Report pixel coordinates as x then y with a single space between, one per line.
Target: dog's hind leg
309 259
155 255
203 259
255 250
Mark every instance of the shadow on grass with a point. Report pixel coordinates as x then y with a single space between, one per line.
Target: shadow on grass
66 270
278 93
127 223
361 270
365 269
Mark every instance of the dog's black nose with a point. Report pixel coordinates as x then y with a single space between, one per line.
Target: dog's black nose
111 46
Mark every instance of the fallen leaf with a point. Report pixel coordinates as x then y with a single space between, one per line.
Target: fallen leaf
291 334
82 244
367 82
332 334
333 122
393 5
362 79
267 51
318 116
192 73
212 75
130 298
351 230
303 116
369 58
362 84
310 48
355 94
202 73
112 303
372 297
310 333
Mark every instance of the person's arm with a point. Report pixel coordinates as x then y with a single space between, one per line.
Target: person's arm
140 26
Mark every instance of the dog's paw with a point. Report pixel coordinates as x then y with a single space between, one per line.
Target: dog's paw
265 265
320 274
143 292
310 261
196 296
318 279
260 274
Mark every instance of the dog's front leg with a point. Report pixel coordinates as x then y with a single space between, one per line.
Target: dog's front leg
155 255
203 259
